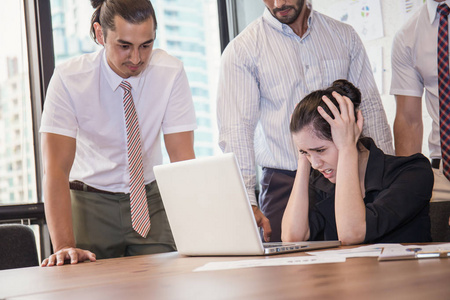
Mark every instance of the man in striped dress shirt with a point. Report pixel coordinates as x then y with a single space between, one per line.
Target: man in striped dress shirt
290 51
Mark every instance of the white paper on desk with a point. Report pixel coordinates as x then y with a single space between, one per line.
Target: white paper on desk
363 251
409 251
283 261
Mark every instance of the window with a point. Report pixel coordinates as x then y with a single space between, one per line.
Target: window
201 107
199 92
170 13
71 28
198 77
19 104
173 29
204 122
194 62
199 49
16 125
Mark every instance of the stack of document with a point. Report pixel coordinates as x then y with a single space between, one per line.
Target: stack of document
415 252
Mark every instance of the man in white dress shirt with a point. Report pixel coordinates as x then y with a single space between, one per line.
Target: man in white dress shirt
84 137
266 70
415 70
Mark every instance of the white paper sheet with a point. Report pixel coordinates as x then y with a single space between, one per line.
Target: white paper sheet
363 251
283 261
415 252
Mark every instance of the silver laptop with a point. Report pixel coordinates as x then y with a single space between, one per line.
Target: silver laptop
209 212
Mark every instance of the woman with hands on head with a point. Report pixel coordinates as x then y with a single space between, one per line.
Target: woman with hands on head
345 187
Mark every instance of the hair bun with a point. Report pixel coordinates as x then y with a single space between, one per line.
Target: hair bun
346 88
96 3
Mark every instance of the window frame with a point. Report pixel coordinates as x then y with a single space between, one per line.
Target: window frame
37 16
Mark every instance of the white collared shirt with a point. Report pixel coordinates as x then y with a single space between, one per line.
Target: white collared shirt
84 101
267 69
414 65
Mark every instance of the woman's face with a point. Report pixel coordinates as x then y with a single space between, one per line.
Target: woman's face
322 154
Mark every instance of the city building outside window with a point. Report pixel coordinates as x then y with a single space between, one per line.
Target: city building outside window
17 163
18 187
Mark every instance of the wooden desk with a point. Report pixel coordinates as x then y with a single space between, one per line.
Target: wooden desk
170 276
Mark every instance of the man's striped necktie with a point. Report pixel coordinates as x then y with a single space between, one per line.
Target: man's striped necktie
140 219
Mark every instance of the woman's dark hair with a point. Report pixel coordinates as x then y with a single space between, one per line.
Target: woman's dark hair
305 113
132 11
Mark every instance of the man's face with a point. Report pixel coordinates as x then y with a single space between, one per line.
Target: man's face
285 11
129 47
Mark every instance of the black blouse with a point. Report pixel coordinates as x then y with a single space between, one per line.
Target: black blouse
398 191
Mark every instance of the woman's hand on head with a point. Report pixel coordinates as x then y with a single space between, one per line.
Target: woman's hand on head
303 169
345 130
303 162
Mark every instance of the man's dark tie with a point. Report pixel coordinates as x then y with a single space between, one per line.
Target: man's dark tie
444 87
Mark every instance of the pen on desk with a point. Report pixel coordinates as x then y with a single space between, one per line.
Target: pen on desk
433 254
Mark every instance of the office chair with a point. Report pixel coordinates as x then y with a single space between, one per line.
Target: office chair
17 247
439 215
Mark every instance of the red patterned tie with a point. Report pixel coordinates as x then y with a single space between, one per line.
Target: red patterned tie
140 219
444 87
